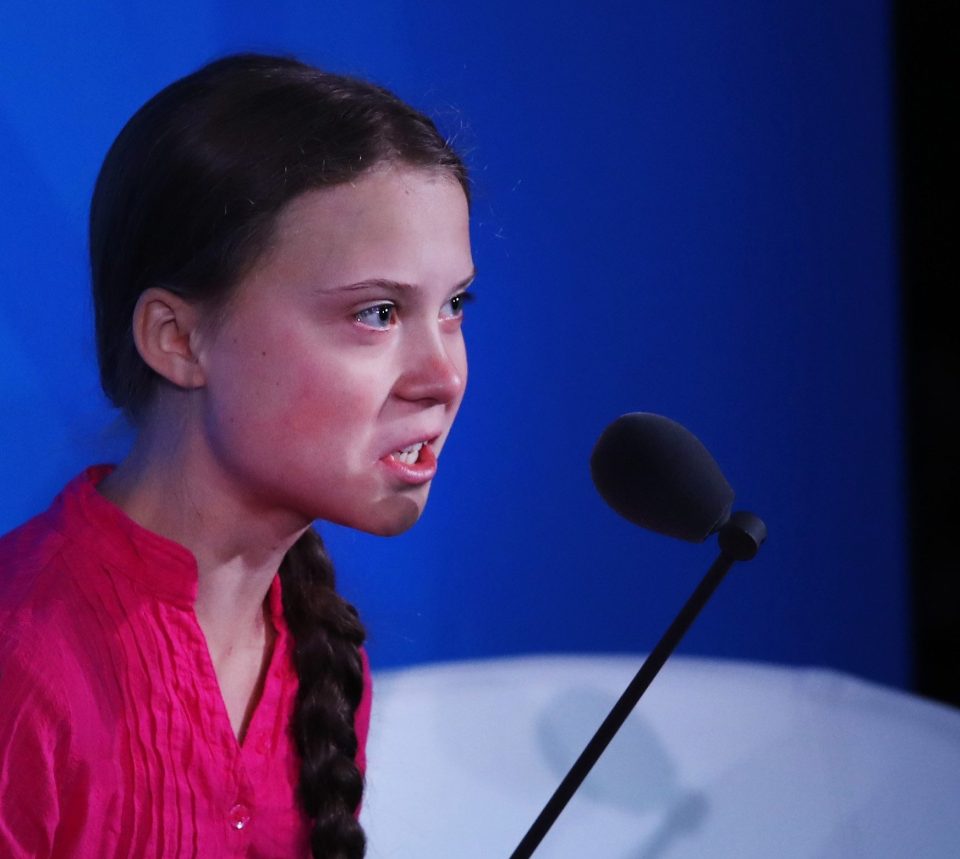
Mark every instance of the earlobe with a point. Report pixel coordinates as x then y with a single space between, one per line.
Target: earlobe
165 327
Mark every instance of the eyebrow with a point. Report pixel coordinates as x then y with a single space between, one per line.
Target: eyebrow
395 285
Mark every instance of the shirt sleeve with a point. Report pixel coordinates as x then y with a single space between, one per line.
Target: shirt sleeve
33 744
361 721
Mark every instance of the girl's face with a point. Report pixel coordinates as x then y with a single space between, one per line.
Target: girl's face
341 348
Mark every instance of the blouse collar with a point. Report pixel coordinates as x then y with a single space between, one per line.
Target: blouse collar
155 563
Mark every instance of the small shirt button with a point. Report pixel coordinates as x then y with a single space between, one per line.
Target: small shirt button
239 816
263 745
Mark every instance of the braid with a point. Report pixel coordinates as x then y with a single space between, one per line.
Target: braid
327 633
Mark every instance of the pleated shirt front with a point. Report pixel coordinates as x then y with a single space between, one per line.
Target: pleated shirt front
114 738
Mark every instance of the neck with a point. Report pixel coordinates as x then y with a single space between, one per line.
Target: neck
168 485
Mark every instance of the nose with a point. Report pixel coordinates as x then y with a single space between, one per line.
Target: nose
435 370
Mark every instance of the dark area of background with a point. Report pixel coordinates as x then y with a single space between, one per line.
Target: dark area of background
927 72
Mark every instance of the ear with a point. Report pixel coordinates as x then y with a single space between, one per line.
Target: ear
166 329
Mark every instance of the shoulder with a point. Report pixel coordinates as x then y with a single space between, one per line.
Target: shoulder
46 578
44 619
367 678
33 621
361 720
36 549
25 553
38 594
35 597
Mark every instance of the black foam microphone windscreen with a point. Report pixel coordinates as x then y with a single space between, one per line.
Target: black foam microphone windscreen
658 474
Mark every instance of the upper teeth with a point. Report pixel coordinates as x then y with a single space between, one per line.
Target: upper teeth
409 455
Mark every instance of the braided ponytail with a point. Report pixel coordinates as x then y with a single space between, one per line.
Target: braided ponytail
327 633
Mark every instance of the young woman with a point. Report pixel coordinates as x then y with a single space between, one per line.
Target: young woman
279 261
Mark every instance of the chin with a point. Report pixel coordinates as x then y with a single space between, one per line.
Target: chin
400 520
388 518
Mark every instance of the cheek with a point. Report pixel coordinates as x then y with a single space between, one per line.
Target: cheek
310 412
259 386
326 403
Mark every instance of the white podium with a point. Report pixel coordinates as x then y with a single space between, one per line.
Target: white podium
719 759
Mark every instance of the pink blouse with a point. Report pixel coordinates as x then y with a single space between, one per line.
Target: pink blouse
114 738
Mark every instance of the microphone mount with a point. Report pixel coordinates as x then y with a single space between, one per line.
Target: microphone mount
740 538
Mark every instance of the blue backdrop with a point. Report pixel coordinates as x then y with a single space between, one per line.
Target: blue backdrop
685 208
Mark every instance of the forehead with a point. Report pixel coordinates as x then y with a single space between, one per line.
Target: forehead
395 217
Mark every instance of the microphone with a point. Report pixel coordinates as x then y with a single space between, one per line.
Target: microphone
657 474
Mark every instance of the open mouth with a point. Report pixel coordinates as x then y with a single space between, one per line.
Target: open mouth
409 455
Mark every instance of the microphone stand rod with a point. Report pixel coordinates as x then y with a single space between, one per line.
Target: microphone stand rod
740 539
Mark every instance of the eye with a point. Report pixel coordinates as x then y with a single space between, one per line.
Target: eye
453 309
380 316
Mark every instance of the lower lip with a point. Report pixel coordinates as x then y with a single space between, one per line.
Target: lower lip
421 471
